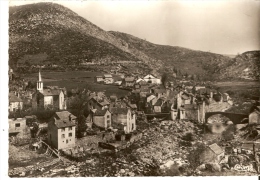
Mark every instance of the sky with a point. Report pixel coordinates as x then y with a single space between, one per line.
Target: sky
225 27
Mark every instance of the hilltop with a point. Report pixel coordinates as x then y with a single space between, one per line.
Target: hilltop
246 66
45 33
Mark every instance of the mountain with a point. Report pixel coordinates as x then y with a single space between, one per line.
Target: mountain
52 33
245 66
186 60
63 36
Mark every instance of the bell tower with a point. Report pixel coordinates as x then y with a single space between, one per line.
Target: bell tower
40 83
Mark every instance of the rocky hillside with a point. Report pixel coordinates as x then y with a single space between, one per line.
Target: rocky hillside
245 66
51 33
64 36
186 60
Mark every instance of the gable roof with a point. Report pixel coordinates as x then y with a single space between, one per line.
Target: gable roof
215 148
107 75
51 92
64 123
101 112
129 79
150 76
116 110
14 98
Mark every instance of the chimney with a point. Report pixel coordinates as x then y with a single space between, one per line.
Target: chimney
70 117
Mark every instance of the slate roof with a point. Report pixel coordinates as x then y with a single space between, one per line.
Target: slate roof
100 112
51 92
64 123
215 148
99 76
130 79
14 98
64 115
117 110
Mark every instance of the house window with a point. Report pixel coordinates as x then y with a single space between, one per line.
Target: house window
108 122
67 141
108 116
62 129
70 128
63 136
70 134
17 125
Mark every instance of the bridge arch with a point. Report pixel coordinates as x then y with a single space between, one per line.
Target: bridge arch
234 117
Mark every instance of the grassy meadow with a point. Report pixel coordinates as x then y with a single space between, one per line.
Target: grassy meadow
77 79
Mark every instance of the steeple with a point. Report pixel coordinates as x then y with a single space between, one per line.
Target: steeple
40 83
40 77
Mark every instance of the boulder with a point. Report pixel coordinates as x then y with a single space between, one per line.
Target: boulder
201 167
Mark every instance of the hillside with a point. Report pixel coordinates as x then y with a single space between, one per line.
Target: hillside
63 36
245 66
186 60
45 33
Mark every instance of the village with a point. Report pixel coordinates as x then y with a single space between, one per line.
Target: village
72 129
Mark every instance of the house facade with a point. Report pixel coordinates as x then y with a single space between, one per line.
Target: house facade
15 103
99 79
102 118
61 132
108 79
17 127
254 117
152 79
124 117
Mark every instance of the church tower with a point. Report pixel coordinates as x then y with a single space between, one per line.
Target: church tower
40 83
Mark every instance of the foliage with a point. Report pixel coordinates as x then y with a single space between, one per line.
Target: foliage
194 155
228 134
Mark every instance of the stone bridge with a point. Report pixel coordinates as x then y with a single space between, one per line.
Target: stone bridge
234 117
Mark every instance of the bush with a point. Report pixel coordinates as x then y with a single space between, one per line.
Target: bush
194 155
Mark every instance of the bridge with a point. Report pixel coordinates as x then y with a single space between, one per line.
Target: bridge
234 117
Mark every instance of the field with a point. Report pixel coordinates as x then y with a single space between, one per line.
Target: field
77 79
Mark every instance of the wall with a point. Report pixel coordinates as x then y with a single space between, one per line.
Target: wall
15 106
21 129
52 134
157 109
66 142
254 118
61 101
191 114
174 114
48 100
99 121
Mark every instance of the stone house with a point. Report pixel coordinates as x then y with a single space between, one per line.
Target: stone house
99 79
151 79
124 117
61 130
97 102
191 111
15 103
254 117
128 82
108 79
102 118
17 127
213 153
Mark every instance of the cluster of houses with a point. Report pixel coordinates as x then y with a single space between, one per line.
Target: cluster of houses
148 97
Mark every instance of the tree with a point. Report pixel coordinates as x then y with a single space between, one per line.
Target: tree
194 155
164 78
